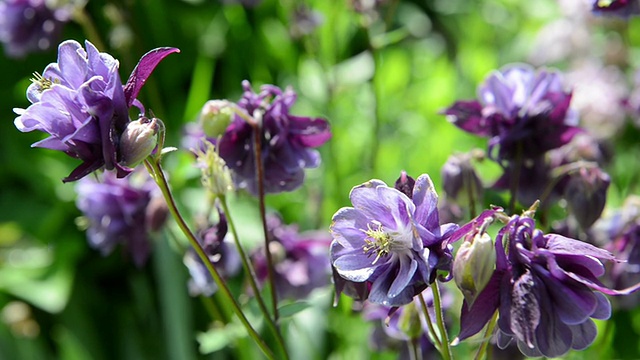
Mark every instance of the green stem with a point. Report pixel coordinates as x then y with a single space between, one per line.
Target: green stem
434 334
415 352
252 279
437 305
482 350
89 28
153 166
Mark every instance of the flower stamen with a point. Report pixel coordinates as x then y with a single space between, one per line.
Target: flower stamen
42 82
377 242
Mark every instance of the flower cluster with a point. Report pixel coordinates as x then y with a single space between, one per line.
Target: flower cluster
391 240
121 211
81 103
545 288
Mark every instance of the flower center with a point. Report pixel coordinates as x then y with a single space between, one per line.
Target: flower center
379 242
42 83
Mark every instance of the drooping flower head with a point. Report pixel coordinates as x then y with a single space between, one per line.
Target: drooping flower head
31 25
300 259
121 212
522 111
620 8
81 103
287 141
390 240
222 254
546 290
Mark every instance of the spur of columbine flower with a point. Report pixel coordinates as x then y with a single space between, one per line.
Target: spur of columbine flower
391 240
545 289
523 112
287 142
121 211
81 103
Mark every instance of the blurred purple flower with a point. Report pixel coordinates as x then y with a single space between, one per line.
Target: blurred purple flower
222 254
620 8
31 25
546 291
523 112
300 259
81 103
391 240
121 211
287 141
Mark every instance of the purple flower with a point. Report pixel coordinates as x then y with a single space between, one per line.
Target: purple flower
391 240
121 211
300 259
81 103
287 141
546 290
523 112
620 8
222 254
31 25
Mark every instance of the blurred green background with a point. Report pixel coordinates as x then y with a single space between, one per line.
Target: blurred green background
380 77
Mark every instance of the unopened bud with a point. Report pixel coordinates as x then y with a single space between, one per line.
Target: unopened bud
459 178
473 266
138 140
586 195
409 321
215 116
216 177
405 184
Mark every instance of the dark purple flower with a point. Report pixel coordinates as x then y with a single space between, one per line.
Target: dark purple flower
523 112
31 25
620 8
300 259
121 211
222 254
391 240
586 194
546 290
81 103
460 180
287 141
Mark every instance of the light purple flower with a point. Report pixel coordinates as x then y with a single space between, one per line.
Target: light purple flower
300 259
287 141
121 212
82 104
546 290
31 25
523 112
391 240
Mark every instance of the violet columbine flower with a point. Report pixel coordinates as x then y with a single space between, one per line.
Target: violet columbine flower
81 103
391 240
545 289
121 212
523 112
620 8
31 25
287 141
300 259
222 254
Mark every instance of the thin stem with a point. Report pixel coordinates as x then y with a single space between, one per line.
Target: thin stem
415 352
482 350
89 28
432 330
515 178
158 176
257 148
437 305
252 279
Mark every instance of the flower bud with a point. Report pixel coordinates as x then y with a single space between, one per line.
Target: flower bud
405 184
409 321
215 116
586 195
138 140
473 266
460 179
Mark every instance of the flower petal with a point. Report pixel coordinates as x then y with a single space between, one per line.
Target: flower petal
143 70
